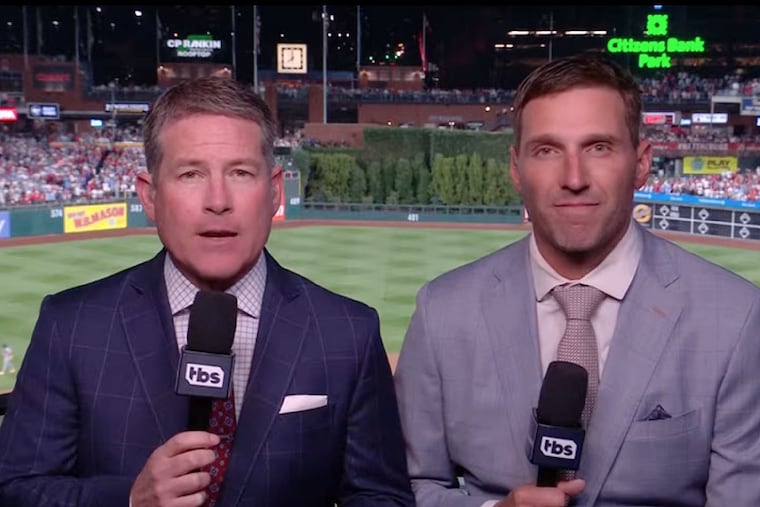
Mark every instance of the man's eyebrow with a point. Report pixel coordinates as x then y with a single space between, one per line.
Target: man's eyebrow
587 139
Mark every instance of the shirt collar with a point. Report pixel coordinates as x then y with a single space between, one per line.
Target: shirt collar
613 276
249 290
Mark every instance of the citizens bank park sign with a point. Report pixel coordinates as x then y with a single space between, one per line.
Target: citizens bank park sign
194 46
657 47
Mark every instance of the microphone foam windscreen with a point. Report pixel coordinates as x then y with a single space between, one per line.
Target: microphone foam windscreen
563 394
213 319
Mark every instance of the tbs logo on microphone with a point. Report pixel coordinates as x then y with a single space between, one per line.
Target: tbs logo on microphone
204 374
557 447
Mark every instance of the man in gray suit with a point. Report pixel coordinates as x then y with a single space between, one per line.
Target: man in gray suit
675 422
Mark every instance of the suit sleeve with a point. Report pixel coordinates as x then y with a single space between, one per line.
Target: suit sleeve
420 396
735 456
375 472
40 433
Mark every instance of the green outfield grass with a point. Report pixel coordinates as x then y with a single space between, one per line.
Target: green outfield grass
383 266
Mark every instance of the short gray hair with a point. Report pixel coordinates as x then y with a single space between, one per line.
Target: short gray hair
207 95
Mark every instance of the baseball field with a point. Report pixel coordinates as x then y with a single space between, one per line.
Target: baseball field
383 265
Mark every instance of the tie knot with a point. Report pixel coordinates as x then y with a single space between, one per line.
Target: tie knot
578 301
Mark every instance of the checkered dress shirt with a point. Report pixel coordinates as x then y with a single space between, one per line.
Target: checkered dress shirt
249 291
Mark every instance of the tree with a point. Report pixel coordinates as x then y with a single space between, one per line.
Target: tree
422 172
443 180
474 194
375 182
404 182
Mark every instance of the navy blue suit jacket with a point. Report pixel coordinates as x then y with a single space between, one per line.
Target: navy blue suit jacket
95 396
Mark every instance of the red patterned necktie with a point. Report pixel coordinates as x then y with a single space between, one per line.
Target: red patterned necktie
222 422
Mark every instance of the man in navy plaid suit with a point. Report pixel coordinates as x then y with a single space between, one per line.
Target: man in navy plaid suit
94 418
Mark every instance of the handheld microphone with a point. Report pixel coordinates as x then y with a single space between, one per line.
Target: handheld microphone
559 434
206 362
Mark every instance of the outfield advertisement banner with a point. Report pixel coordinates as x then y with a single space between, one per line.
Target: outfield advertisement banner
95 217
710 165
5 224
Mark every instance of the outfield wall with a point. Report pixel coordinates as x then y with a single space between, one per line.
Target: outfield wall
41 220
406 213
689 214
698 215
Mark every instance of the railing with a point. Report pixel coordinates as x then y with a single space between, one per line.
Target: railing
403 212
70 202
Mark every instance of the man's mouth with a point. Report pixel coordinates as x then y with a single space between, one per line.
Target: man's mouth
574 204
218 234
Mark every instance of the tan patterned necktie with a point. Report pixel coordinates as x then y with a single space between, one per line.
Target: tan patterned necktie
578 344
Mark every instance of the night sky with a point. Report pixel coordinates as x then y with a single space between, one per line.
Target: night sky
459 40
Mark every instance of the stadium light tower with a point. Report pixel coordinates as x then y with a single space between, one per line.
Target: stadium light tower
325 23
358 44
256 42
234 48
551 34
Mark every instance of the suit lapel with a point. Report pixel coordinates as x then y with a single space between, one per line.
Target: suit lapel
644 325
510 318
284 321
147 323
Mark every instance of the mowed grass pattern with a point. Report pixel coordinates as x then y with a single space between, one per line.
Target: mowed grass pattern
382 266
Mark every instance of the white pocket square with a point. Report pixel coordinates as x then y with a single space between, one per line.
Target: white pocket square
301 402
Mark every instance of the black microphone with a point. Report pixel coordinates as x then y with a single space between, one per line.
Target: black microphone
206 362
559 433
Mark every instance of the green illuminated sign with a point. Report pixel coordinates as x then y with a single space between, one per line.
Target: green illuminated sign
654 53
195 46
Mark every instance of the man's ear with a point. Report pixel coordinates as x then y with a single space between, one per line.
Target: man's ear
643 163
514 174
147 194
277 188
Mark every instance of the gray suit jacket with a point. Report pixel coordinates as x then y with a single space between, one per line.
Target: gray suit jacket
687 338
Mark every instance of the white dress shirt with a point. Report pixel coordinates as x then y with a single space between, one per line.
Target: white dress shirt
249 291
613 277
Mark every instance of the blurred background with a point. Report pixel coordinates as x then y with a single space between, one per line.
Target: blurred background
459 47
389 115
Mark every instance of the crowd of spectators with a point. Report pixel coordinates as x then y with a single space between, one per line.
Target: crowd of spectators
38 169
684 87
666 87
92 167
696 134
99 165
735 186
62 167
